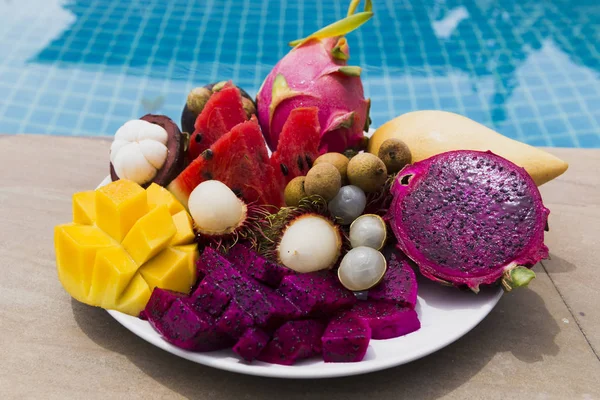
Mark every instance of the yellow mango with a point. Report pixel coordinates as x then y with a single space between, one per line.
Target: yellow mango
76 247
113 270
84 207
191 251
150 234
118 206
136 296
427 133
158 195
185 232
124 242
169 269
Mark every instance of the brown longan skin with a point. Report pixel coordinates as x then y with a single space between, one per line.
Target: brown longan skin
294 191
368 172
395 154
324 180
338 160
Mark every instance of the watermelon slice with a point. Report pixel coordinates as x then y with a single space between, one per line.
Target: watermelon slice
240 160
222 111
298 144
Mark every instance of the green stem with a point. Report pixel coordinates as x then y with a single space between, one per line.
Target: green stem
517 277
338 28
354 4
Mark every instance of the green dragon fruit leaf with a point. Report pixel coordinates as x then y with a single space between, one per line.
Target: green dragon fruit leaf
517 277
368 119
340 51
280 92
354 4
339 28
349 70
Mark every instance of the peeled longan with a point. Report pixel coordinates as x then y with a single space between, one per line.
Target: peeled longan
395 154
324 180
367 171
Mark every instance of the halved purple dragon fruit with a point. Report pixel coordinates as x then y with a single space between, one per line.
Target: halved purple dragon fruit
399 284
293 341
469 218
256 266
317 293
386 320
190 329
251 344
346 339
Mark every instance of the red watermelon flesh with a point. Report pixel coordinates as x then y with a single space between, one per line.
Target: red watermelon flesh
298 144
222 111
240 160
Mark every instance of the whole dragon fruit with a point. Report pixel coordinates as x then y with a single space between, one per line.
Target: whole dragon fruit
315 73
469 218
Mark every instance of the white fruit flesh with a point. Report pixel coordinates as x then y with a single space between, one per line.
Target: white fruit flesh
368 230
216 210
362 268
139 150
310 243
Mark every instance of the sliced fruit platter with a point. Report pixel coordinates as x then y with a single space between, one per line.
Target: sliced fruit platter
281 229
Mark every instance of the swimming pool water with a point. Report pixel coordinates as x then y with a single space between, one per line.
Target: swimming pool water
529 68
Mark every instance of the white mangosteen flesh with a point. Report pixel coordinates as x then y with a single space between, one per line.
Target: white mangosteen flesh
215 209
310 243
139 150
368 230
362 268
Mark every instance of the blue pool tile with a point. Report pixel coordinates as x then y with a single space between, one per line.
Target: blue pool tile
42 116
16 112
99 107
555 126
93 124
10 126
562 141
589 140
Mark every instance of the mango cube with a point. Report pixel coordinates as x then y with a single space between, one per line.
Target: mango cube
136 296
185 232
84 207
125 241
118 206
170 270
158 195
150 235
76 247
113 270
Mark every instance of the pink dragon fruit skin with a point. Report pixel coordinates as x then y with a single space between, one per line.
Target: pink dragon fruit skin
251 344
310 75
399 284
293 341
346 339
386 320
469 218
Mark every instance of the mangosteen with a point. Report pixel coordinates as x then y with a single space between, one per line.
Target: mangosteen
174 159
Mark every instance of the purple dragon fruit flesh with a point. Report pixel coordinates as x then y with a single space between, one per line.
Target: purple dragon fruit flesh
399 284
469 218
254 265
159 303
386 320
234 321
191 329
317 293
346 339
251 344
293 341
210 297
316 73
267 306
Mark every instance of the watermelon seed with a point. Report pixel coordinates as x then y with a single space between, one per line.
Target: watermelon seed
300 163
207 154
309 162
198 138
284 169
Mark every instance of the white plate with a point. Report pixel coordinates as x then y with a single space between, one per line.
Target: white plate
445 313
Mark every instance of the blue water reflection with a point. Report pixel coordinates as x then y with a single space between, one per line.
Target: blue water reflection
530 69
